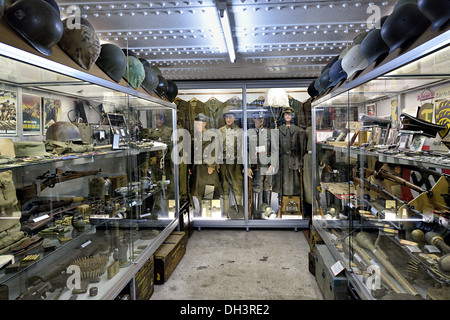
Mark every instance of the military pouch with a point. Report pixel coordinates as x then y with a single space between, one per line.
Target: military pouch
8 226
8 197
11 241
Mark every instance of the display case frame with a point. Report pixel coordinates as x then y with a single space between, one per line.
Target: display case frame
339 233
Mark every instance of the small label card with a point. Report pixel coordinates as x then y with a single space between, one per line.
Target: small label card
337 268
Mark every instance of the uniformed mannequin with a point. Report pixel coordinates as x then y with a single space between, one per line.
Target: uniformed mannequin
259 165
204 172
292 148
231 175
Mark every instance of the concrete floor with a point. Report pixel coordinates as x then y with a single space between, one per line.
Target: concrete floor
223 264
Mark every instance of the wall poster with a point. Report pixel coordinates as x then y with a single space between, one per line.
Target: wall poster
31 114
8 112
52 111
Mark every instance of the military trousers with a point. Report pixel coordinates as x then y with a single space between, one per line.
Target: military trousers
261 182
232 179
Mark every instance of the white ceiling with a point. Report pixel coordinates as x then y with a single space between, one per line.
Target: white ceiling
274 39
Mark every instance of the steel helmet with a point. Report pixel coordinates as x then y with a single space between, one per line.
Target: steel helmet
112 61
344 52
405 23
437 11
150 81
373 46
81 44
135 72
162 86
63 131
312 91
402 2
172 91
329 64
37 22
157 70
337 73
129 53
325 79
354 61
359 38
318 86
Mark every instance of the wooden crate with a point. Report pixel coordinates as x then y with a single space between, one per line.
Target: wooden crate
291 205
144 280
168 255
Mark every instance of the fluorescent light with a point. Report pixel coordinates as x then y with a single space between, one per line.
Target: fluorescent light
225 22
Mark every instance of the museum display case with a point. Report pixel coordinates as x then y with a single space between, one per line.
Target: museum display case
381 174
90 190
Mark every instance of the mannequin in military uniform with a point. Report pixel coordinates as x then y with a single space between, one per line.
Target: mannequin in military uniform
204 172
232 177
260 168
292 148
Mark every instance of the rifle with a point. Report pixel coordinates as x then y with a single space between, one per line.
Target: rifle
386 194
48 180
40 206
383 174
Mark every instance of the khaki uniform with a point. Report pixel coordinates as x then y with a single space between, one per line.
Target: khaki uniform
232 177
259 138
215 109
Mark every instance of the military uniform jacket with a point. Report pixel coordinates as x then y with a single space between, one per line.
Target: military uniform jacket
232 150
200 176
259 141
215 108
293 142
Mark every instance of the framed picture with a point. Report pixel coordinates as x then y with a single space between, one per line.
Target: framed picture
8 112
52 112
371 109
405 141
31 114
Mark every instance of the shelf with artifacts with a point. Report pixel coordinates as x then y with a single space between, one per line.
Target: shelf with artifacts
382 179
95 208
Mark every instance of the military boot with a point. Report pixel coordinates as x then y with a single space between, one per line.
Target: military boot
225 205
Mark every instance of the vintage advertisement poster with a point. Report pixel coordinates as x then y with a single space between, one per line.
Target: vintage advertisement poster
442 110
31 114
52 111
8 112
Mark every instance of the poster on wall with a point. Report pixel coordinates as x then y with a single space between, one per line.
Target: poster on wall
52 112
31 114
8 109
442 110
371 109
394 113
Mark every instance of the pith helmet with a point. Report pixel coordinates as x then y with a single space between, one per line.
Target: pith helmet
312 91
172 90
337 73
37 22
135 72
405 23
112 61
162 86
354 61
437 11
63 131
81 44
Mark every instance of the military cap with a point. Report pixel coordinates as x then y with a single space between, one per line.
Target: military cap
228 110
259 114
288 110
201 117
30 149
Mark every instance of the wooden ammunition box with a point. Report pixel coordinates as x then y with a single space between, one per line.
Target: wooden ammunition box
118 181
332 287
168 255
144 280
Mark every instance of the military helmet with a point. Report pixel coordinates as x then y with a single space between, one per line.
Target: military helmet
329 64
129 53
337 73
312 91
344 52
157 70
151 80
135 72
359 38
37 22
112 61
63 131
172 90
405 23
437 11
162 86
354 61
229 109
402 2
81 44
144 62
318 86
373 46
324 79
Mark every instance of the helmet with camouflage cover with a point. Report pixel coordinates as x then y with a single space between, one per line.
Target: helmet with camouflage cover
112 61
63 131
81 44
135 72
37 22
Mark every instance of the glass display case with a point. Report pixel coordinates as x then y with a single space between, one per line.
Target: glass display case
381 176
89 188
